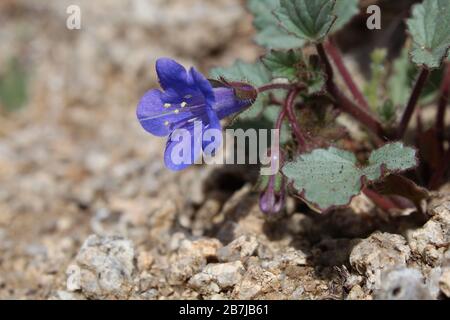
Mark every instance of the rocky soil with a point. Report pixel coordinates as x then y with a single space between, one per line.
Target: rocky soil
87 210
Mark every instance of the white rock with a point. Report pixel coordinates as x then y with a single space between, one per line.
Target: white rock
104 268
379 252
402 284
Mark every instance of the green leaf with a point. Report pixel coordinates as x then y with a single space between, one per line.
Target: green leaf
345 10
329 178
270 34
429 27
275 38
392 157
310 20
292 65
255 74
13 86
402 79
275 35
283 64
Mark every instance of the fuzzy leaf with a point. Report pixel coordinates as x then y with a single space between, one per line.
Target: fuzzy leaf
255 74
329 178
283 64
270 34
292 65
310 20
402 79
392 157
429 27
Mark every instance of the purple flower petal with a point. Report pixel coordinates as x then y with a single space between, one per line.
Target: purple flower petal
213 124
160 117
184 146
227 103
172 75
203 85
150 106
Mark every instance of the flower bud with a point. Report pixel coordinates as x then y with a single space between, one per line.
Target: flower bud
273 199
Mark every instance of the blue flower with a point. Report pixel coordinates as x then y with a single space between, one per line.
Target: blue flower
189 103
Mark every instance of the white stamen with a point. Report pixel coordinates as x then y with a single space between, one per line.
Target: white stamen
167 105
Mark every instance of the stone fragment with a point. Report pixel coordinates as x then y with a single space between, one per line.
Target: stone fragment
379 252
402 284
431 240
104 268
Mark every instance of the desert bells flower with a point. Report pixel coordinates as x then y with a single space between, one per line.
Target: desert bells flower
188 106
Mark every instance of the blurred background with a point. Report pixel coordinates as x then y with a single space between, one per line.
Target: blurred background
70 144
74 161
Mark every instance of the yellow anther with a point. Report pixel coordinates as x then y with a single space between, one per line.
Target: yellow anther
177 111
166 123
167 105
183 104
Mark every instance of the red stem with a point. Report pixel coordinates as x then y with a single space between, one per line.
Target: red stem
274 86
289 109
442 106
411 106
380 201
336 56
344 103
280 119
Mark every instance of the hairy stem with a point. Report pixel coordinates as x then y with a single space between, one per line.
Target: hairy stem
274 86
289 109
280 119
442 106
336 56
411 106
346 104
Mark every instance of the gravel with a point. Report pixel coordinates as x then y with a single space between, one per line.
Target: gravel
87 210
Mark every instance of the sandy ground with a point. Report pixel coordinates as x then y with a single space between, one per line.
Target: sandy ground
87 209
